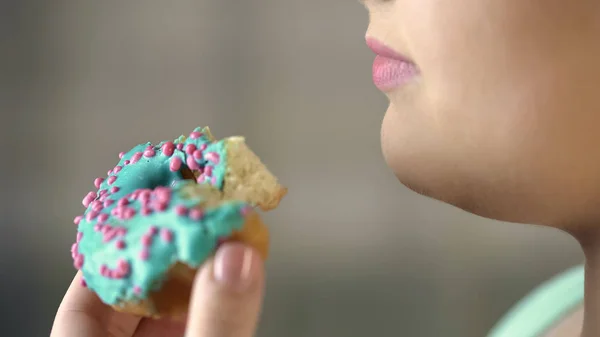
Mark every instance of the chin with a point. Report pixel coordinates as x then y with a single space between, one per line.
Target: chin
424 170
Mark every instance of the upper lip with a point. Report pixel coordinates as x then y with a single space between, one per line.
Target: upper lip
379 48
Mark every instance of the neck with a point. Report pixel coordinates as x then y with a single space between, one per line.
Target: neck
590 243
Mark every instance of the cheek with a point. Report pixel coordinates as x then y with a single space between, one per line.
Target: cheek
398 142
388 148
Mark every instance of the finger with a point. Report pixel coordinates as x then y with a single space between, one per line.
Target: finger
81 313
160 328
227 295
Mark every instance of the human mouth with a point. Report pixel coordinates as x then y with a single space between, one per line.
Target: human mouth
390 69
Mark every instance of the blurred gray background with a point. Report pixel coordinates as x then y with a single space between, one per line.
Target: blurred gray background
354 252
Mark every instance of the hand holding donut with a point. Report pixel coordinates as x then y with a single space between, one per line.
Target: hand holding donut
173 230
225 302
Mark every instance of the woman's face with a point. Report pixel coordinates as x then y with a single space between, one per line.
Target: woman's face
503 116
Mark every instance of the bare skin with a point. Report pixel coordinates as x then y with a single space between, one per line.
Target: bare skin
225 302
503 119
570 326
502 122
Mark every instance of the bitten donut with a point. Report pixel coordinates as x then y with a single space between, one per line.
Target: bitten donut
162 211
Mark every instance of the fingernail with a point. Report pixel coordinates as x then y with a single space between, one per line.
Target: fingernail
234 266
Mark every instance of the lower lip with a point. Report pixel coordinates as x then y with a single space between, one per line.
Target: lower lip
391 73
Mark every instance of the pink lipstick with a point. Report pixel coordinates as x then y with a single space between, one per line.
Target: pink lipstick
390 69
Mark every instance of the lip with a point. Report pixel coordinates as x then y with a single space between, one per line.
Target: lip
390 68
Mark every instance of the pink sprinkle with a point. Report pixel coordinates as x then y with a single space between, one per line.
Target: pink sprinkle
136 193
144 254
91 215
121 154
180 210
106 228
74 249
115 211
195 135
163 194
97 205
103 197
127 162
78 263
77 219
98 227
166 235
137 290
122 273
196 214
83 283
180 146
203 147
146 211
109 235
117 169
88 199
149 153
191 163
190 148
122 264
200 179
114 189
213 157
208 170
103 270
149 147
175 164
159 206
128 213
79 236
102 192
136 157
111 179
98 181
102 217
121 231
161 189
152 230
214 180
144 196
108 202
123 202
168 148
120 244
197 154
146 240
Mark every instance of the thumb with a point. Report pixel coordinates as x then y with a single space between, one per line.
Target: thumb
227 294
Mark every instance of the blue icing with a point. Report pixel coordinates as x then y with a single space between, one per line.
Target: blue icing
189 239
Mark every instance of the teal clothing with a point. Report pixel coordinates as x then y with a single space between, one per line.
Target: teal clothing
544 307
